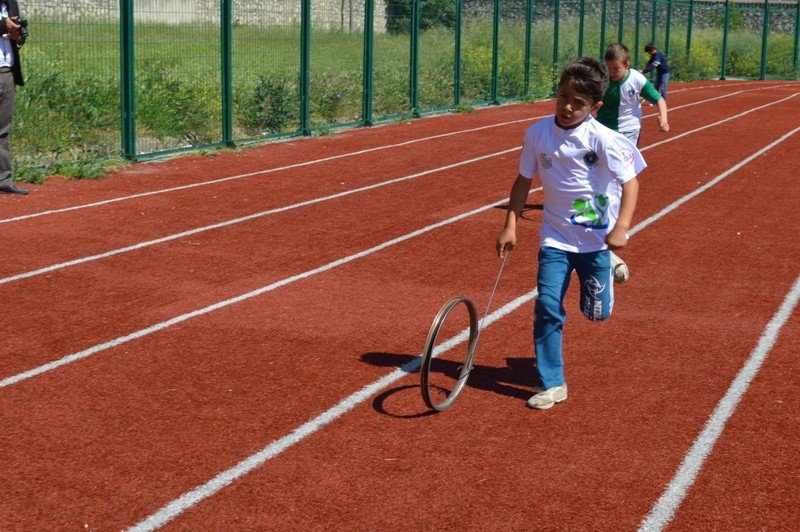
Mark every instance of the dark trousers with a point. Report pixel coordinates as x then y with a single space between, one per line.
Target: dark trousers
7 95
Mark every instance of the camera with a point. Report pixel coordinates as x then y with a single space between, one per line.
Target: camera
23 26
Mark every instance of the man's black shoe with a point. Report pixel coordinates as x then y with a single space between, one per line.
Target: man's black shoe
11 189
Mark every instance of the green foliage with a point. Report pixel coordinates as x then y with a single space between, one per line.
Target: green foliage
432 14
173 104
336 96
735 18
74 163
270 105
68 114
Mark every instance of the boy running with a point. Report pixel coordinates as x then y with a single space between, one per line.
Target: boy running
622 104
657 61
588 174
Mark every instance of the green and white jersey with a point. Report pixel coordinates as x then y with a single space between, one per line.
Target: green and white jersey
622 108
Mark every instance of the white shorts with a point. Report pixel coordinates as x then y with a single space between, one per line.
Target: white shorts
632 135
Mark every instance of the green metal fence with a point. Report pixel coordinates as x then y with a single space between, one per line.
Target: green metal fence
137 78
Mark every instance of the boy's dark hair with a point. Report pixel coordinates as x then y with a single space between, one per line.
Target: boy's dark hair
650 47
617 51
588 76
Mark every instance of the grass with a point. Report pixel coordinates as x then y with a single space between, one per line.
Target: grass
68 114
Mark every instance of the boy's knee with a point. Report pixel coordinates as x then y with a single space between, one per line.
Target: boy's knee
546 304
547 309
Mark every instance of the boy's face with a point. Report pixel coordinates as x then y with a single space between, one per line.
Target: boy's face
572 107
651 52
617 70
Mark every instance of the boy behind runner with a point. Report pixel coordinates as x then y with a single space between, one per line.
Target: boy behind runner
658 61
622 105
588 175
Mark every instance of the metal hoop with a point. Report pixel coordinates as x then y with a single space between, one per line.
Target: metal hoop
428 355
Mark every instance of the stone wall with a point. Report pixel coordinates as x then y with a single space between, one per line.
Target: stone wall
347 15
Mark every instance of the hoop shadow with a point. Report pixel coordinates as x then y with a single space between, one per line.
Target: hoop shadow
515 380
527 208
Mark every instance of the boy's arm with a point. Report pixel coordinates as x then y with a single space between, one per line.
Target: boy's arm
654 61
650 94
519 194
618 237
662 115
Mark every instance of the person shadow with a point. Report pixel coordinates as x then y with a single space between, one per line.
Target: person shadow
516 379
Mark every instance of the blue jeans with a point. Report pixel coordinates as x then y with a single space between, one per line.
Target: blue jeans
597 301
661 84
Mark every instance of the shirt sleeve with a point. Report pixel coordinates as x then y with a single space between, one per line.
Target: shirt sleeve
528 163
650 93
624 159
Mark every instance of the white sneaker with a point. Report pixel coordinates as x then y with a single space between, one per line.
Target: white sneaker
621 272
549 397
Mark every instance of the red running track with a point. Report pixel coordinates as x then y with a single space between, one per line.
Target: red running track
112 309
108 440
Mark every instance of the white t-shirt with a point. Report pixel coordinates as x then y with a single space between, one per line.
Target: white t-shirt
582 171
6 54
630 105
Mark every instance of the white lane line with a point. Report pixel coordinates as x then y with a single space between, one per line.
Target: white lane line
671 207
183 234
717 86
715 98
299 165
664 509
203 491
8 381
206 490
254 216
270 170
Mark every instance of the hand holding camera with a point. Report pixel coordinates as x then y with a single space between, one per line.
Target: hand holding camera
17 28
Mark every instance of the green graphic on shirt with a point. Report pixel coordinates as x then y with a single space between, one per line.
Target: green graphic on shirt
591 212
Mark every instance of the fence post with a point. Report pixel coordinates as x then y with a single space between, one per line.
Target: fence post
603 29
796 37
369 59
457 59
413 90
655 22
581 28
127 85
636 34
764 34
690 23
305 66
226 64
495 49
621 21
528 22
725 24
669 23
556 20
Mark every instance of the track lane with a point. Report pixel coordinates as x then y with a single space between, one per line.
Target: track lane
86 304
155 438
755 461
601 455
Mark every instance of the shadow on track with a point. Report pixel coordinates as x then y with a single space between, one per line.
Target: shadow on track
516 380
